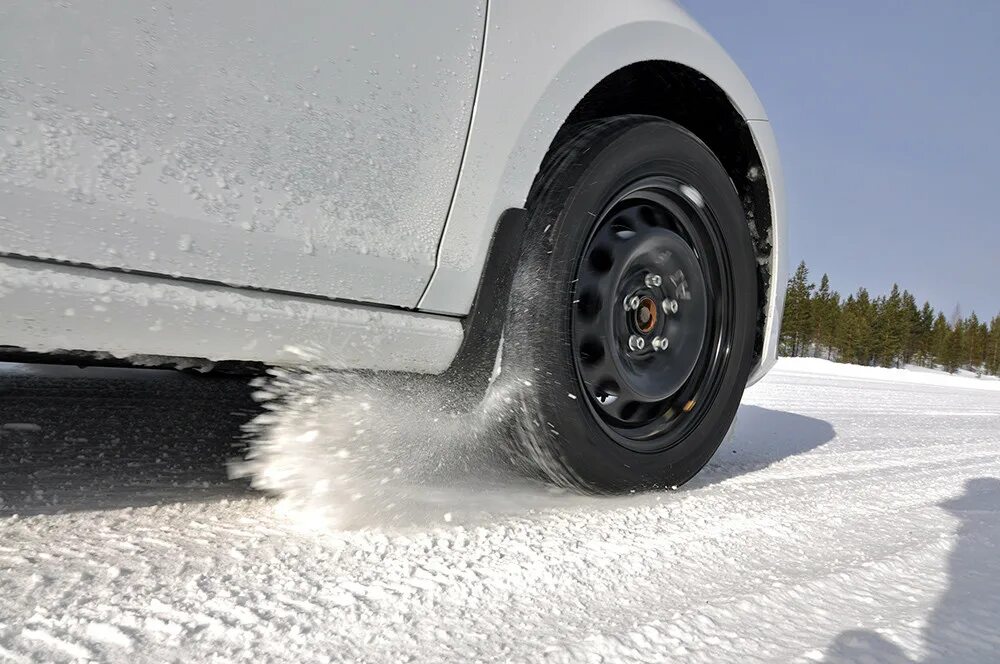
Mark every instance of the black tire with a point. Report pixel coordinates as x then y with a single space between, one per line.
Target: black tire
607 177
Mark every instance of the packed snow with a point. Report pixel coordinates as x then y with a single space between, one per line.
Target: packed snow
855 512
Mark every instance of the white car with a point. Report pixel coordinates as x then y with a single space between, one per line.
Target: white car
408 186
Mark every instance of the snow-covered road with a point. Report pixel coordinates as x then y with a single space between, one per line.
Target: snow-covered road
855 511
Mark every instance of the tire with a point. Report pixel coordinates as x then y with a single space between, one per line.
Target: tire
631 210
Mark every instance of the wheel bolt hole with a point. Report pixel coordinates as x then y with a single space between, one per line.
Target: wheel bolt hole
607 393
622 230
647 215
629 410
600 259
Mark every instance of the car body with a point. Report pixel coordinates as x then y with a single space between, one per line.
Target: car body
222 181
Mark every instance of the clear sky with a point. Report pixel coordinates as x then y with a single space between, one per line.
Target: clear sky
888 119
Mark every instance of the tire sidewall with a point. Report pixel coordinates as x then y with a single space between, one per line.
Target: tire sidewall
591 171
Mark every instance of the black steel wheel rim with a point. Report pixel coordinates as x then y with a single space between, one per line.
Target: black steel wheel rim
651 320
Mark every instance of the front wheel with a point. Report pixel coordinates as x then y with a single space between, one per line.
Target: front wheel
633 309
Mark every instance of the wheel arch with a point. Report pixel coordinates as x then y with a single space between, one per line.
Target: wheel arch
685 96
530 88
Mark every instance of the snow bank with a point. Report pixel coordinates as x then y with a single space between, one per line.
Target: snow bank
912 375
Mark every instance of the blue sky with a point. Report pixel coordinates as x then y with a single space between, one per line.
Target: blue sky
888 119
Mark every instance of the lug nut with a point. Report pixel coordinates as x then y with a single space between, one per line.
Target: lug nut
653 280
635 342
660 343
669 306
631 302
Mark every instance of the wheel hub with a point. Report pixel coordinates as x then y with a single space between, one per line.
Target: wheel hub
645 315
642 314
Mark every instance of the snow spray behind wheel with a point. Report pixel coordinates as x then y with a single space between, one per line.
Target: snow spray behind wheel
351 448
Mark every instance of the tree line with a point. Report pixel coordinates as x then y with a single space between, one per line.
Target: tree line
888 330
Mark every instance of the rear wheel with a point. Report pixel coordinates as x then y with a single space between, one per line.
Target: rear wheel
634 304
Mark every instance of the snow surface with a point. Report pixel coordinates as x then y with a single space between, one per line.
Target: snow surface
854 513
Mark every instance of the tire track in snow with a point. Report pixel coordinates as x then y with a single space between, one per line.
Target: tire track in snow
773 552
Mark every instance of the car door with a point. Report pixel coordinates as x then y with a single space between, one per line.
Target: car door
308 146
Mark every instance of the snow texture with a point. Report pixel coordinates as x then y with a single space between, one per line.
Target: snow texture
854 515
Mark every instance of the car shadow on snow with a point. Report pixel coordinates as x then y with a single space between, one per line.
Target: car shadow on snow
761 438
964 626
76 439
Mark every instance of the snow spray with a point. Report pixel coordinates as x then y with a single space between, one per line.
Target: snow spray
353 449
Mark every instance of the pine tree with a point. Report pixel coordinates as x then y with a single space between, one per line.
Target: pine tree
974 342
925 342
889 329
854 333
880 333
825 314
911 328
954 347
796 325
993 347
846 337
939 339
866 312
